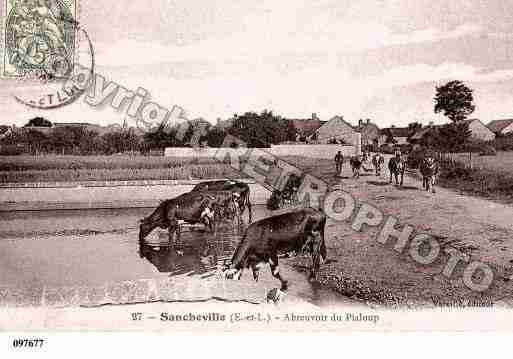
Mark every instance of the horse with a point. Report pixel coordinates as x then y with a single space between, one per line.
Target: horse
429 169
356 165
377 161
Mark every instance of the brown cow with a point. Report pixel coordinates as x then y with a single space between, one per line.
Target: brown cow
192 207
228 185
295 231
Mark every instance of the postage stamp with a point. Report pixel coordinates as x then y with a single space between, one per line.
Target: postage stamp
39 38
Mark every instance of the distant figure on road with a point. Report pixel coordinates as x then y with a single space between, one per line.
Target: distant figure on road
377 161
397 166
356 165
365 156
339 161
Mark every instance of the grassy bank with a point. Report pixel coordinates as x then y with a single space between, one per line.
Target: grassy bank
490 176
51 168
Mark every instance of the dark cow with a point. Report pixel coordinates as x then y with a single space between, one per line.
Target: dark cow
288 196
356 165
295 231
429 169
397 166
226 205
378 161
228 185
192 207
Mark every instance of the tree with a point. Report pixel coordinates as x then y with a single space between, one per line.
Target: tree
455 100
215 137
120 142
39 122
452 137
414 126
260 130
161 138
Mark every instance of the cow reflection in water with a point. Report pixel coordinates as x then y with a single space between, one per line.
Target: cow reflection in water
193 261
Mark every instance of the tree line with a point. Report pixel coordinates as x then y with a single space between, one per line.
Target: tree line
256 129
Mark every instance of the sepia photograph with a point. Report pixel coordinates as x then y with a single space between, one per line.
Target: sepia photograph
241 167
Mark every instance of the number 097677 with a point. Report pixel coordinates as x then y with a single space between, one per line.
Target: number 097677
28 343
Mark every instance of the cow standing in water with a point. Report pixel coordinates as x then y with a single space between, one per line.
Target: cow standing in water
397 166
356 165
295 231
378 161
242 189
429 169
192 207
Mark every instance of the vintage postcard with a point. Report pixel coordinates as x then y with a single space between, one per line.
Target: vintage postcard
229 166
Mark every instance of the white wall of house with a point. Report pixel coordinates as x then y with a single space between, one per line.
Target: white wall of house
401 140
507 130
480 131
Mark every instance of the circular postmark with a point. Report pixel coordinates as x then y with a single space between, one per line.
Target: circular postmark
41 47
40 39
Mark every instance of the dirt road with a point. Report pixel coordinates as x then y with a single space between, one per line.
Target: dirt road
367 270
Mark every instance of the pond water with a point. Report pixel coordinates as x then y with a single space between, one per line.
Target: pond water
92 247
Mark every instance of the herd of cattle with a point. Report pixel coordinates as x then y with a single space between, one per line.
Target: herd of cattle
428 168
299 230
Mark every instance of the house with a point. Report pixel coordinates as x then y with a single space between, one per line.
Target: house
224 124
479 131
305 128
336 129
5 131
395 135
501 127
370 132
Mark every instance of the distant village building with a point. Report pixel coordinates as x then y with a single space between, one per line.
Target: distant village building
501 127
370 132
305 128
336 130
478 131
395 135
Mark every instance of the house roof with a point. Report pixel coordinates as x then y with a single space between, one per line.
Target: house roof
366 125
499 125
397 131
4 129
306 127
421 133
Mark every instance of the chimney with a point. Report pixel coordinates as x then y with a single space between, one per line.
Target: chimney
360 123
218 121
368 121
314 116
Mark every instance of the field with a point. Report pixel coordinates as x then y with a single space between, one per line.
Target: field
503 162
51 168
490 176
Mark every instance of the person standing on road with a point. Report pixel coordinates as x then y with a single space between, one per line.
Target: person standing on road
339 161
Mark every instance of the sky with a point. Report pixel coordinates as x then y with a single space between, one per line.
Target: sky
358 59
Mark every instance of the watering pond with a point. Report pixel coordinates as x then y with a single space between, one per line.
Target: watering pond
93 247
